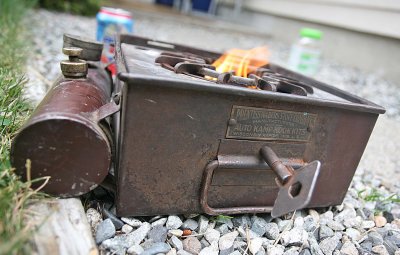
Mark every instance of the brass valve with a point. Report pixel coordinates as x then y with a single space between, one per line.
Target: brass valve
74 67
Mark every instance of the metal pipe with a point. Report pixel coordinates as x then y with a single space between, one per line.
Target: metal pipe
283 172
65 137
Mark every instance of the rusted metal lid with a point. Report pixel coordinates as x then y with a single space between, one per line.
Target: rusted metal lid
91 49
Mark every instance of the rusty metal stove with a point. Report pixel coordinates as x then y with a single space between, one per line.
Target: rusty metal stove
189 139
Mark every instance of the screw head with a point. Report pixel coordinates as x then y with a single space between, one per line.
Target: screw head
72 51
232 122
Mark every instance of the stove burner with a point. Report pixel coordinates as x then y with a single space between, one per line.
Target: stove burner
199 67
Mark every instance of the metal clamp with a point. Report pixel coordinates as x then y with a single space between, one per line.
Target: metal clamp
295 187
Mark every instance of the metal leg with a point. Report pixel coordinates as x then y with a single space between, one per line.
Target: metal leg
186 6
238 7
213 7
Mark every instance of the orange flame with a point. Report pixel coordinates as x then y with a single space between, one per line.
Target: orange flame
242 62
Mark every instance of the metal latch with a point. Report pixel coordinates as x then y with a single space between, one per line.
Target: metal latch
295 186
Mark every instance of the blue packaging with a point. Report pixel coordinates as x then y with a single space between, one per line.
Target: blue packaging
111 21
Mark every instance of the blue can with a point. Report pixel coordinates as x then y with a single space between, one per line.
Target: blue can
111 21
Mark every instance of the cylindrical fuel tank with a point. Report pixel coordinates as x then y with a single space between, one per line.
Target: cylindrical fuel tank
64 138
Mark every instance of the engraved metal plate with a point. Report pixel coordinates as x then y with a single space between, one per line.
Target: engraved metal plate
266 124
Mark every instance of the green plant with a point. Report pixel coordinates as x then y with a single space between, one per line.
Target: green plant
82 7
374 195
221 218
14 193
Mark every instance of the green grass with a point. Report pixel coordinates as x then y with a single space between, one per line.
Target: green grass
81 7
14 193
374 195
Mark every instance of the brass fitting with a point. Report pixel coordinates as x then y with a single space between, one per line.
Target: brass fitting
73 68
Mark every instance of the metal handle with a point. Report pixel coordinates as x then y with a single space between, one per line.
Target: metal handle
295 190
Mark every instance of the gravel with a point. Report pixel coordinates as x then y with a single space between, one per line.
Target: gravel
358 226
105 230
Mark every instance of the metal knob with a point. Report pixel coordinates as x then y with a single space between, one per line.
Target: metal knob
73 67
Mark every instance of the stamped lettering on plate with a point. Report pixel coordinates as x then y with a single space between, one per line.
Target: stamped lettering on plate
266 124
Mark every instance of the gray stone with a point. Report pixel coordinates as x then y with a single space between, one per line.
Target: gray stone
208 251
117 244
375 238
336 226
393 237
314 246
176 232
259 225
294 237
261 251
212 235
105 230
183 252
325 217
226 251
243 221
255 244
204 242
292 251
159 222
226 241
345 214
173 222
313 213
328 245
284 225
156 249
158 234
203 224
353 222
368 224
354 234
137 236
239 244
366 247
117 222
171 252
275 249
190 224
390 246
309 223
247 233
135 250
236 253
192 245
132 222
349 248
324 232
147 243
126 228
176 243
223 229
298 222
271 230
380 250
305 252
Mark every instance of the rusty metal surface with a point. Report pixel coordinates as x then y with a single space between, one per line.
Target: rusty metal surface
173 125
297 192
91 49
65 137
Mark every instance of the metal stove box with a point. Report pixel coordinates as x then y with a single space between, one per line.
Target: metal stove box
187 145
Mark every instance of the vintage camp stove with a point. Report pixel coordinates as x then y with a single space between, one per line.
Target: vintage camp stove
184 138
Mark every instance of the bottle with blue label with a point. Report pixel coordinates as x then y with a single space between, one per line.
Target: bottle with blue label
305 54
111 21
